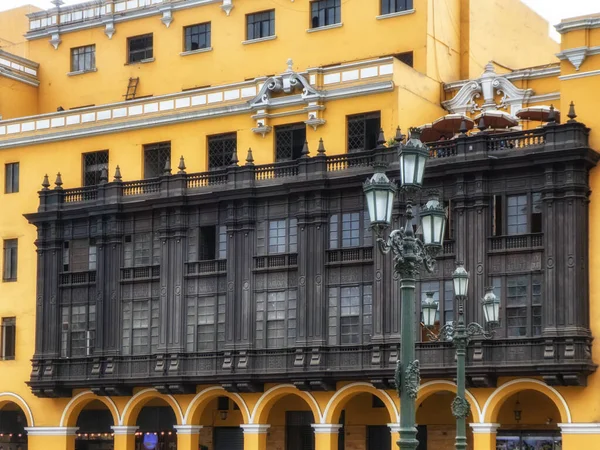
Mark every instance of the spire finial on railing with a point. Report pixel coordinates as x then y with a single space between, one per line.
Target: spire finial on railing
398 137
167 170
181 166
104 176
234 158
481 124
321 149
552 115
381 138
304 153
45 183
463 128
117 176
571 114
249 158
58 182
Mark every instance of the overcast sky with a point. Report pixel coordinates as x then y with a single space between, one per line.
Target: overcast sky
551 10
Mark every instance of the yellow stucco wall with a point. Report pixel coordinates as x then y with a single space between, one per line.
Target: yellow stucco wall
17 99
13 25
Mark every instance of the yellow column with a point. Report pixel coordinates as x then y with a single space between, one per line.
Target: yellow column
326 436
188 437
580 436
395 433
255 436
484 435
51 438
124 438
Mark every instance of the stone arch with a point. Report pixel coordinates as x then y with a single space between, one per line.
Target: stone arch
428 389
263 406
342 396
199 402
502 393
138 401
10 397
80 401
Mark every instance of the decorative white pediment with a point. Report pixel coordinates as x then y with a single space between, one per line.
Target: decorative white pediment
576 56
488 85
288 82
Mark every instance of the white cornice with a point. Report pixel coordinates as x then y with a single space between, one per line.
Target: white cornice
100 21
484 428
326 428
524 74
189 116
577 55
51 431
18 77
580 428
255 428
544 97
188 429
572 76
124 430
578 24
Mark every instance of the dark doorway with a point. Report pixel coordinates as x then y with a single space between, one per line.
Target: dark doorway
12 427
228 438
298 431
156 428
378 437
94 428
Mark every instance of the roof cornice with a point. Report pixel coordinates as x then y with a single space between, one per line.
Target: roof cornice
578 24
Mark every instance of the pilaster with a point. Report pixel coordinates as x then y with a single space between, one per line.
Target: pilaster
255 436
326 436
188 436
124 437
484 435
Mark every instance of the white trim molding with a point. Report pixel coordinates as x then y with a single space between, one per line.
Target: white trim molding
572 76
51 431
396 14
577 55
188 429
579 428
257 40
484 428
255 428
544 97
325 27
326 428
124 430
193 52
394 427
578 24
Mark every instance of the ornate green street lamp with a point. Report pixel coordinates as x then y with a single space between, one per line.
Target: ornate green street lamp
460 334
409 254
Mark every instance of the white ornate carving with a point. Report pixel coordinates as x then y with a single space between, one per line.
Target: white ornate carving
55 40
227 6
167 16
488 85
109 28
576 56
287 82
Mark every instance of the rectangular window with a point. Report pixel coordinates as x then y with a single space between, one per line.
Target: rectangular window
363 131
350 230
277 236
155 159
432 286
536 212
9 334
536 305
140 326
276 319
222 242
350 310
394 6
208 243
78 330
79 255
260 25
289 141
140 48
325 12
516 214
141 249
350 234
220 150
197 37
83 58
11 178
448 301
449 229
93 164
10 260
516 305
497 228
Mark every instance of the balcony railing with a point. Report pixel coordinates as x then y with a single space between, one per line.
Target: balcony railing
275 261
499 357
521 241
346 255
553 138
206 267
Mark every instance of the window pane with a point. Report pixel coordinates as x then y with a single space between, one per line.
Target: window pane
155 159
516 213
93 164
220 150
10 259
11 177
197 37
325 12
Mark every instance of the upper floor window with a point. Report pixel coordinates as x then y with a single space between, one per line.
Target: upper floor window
363 131
517 214
141 249
521 311
260 25
325 12
197 37
212 243
10 260
93 163
79 255
289 141
350 314
83 59
155 159
276 317
9 334
220 150
11 178
394 6
349 230
205 322
140 48
78 330
283 236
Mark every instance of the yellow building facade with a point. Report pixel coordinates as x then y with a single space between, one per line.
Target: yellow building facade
121 75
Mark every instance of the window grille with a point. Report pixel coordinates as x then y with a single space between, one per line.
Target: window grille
155 159
363 131
220 150
93 163
289 141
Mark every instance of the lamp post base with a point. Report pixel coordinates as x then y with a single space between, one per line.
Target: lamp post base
461 443
408 439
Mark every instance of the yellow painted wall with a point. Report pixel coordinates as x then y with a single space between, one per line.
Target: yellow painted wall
17 99
13 25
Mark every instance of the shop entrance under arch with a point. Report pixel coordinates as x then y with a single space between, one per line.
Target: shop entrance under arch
12 427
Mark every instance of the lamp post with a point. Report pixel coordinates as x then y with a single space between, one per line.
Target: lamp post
460 334
410 254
